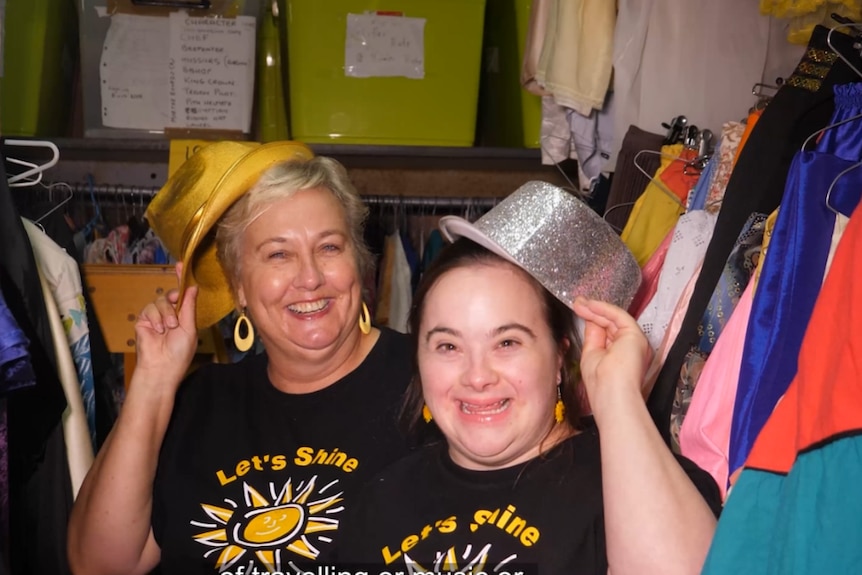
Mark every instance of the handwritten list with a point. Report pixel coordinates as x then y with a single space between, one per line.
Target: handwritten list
384 45
178 72
211 72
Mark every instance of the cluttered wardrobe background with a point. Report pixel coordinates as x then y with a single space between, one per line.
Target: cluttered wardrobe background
703 132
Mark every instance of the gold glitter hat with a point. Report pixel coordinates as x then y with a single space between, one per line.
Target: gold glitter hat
559 240
186 210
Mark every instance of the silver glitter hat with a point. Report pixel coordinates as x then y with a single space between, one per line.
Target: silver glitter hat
557 239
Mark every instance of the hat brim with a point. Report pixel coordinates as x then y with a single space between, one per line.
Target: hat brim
246 170
454 227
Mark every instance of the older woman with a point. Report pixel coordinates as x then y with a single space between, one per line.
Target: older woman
523 481
248 465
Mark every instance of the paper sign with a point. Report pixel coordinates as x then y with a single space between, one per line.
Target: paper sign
178 72
133 74
380 45
211 72
182 150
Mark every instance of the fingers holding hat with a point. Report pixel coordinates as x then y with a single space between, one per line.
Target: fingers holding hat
615 353
166 340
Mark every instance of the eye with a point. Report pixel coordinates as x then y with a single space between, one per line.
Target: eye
445 347
276 255
509 343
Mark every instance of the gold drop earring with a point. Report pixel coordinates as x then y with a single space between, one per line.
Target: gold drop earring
243 324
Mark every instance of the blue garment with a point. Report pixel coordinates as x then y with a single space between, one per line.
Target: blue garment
433 247
844 140
789 284
413 260
16 371
701 189
737 271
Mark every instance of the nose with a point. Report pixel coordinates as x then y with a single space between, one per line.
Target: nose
309 276
479 372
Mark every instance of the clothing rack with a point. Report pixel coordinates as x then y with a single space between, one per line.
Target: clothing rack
82 189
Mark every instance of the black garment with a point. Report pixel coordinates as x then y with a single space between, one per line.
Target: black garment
543 516
628 182
39 484
803 105
249 476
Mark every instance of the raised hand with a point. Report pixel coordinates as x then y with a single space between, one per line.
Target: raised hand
615 354
165 340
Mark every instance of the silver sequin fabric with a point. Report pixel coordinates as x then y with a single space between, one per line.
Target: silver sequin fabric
563 243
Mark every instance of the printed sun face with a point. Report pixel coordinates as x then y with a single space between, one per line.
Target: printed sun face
288 524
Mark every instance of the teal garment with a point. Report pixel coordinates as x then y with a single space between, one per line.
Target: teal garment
805 522
433 246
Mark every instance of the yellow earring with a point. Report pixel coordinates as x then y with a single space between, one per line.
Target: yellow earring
559 408
243 343
365 320
426 414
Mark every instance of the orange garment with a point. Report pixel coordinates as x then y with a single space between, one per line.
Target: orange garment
681 179
750 122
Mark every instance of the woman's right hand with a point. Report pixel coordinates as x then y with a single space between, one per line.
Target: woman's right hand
166 341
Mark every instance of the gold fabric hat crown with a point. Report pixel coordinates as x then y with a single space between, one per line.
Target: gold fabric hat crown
185 211
559 240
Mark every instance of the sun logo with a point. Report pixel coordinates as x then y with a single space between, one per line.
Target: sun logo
466 562
270 528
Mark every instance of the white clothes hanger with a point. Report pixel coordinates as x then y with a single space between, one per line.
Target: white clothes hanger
38 169
31 169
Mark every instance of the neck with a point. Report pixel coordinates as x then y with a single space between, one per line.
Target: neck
307 373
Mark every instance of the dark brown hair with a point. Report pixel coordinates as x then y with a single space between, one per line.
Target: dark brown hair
559 317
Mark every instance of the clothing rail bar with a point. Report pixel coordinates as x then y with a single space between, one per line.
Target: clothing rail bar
82 189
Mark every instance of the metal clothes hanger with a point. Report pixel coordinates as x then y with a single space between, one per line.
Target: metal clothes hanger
832 185
61 203
652 178
854 25
852 67
572 187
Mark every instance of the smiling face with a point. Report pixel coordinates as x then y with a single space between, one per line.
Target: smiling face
489 365
299 278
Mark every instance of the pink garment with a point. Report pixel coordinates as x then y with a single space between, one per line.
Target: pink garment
649 277
672 329
705 434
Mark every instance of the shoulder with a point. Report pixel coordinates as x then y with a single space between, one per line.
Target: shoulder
389 364
222 382
394 346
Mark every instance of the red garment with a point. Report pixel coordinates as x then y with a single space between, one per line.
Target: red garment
824 400
675 177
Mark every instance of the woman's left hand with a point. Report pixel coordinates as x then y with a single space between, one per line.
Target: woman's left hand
615 353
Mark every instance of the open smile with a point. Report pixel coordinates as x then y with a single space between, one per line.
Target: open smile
309 307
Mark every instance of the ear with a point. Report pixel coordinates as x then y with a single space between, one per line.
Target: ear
240 298
565 344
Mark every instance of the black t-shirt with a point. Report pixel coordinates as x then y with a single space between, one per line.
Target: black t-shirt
543 516
250 476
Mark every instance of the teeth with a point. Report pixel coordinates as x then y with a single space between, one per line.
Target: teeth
308 307
491 409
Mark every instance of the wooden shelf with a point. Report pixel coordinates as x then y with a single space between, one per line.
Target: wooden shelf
387 170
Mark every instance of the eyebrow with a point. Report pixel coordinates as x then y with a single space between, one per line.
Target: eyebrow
322 235
494 332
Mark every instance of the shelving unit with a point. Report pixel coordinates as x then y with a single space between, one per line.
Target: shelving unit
375 170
